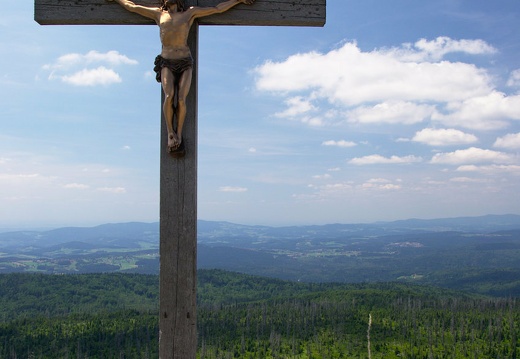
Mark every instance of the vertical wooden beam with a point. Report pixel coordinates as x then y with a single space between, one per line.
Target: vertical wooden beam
178 234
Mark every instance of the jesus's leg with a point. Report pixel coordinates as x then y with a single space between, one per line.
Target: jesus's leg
184 89
168 85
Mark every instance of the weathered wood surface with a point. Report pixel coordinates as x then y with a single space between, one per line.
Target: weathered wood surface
178 234
103 12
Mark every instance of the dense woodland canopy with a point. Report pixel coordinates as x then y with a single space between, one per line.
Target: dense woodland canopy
241 316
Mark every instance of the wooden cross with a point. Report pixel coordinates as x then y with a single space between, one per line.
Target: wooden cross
178 183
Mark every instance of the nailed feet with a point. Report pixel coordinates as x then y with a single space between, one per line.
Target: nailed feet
173 142
175 146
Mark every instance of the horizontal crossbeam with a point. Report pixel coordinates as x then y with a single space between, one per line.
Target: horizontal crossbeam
103 12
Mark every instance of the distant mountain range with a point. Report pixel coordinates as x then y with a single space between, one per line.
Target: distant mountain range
134 234
477 252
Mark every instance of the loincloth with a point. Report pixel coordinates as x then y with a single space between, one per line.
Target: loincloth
177 66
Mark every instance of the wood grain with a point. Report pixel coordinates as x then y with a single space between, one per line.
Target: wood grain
178 234
103 12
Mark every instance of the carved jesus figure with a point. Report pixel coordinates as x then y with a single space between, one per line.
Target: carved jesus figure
174 65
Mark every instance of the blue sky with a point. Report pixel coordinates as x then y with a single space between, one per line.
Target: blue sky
393 110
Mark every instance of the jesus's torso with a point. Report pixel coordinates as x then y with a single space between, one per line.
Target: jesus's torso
174 30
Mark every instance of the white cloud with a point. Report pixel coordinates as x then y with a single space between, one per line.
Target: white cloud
348 76
378 180
19 176
111 57
472 155
93 77
378 159
443 137
435 50
321 177
76 186
74 59
465 180
491 169
75 69
115 190
408 84
510 141
514 79
468 168
296 106
149 75
487 112
232 189
379 186
312 121
392 112
340 143
337 187
64 61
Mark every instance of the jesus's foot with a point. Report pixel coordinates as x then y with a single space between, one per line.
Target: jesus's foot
179 151
173 142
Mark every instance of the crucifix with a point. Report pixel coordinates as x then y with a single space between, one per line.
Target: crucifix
178 167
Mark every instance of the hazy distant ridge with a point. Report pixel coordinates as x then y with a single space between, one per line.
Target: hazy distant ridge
127 234
479 254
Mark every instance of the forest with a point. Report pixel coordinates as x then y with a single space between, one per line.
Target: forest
242 316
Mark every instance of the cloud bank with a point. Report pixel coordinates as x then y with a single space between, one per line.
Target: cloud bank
405 85
77 69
